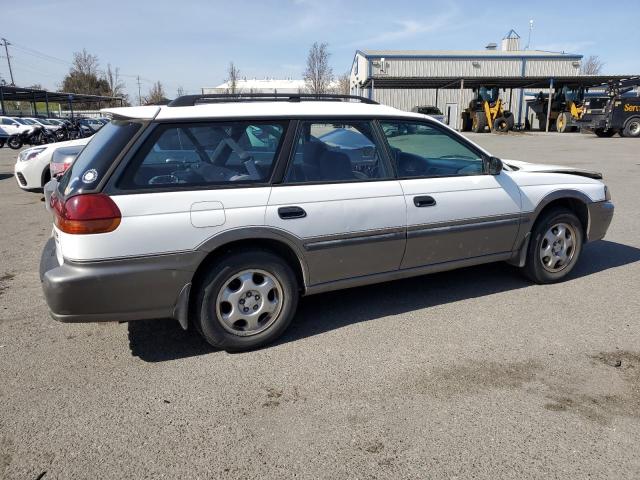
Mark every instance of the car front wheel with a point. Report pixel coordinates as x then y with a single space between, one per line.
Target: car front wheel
247 300
555 246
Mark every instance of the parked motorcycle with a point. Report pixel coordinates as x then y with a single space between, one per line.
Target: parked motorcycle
38 135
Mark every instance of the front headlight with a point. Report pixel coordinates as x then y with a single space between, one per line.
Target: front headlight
30 153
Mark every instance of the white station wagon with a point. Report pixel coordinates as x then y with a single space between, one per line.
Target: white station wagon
220 211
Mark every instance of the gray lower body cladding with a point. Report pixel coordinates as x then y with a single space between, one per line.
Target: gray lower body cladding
600 216
115 290
154 286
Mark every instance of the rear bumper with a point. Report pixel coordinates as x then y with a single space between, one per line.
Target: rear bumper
600 215
115 290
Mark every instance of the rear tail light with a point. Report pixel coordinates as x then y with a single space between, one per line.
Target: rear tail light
58 169
85 214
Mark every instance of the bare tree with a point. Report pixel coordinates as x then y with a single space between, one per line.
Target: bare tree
116 85
85 63
592 65
156 95
343 84
318 74
233 75
180 91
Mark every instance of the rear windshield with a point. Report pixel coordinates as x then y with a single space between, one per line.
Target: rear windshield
95 159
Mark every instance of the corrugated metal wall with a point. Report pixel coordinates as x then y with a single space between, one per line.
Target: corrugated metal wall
406 99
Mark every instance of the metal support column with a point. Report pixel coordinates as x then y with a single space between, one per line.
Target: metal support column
549 105
371 90
459 119
437 90
35 105
70 105
46 101
4 112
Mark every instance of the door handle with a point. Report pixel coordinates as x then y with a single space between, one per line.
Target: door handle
287 213
424 201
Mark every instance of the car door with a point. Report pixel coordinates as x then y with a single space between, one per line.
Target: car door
455 210
340 200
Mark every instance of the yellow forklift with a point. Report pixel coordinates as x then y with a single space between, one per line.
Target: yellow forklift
486 110
567 108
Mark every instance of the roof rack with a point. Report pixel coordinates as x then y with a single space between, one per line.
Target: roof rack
191 100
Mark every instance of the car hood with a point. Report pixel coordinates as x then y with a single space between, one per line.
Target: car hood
543 168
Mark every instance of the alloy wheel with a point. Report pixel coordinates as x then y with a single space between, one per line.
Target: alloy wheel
249 302
557 247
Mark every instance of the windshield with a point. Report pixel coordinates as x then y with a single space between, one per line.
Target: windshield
488 94
95 159
28 121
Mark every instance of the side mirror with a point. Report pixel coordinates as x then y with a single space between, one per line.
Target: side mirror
492 165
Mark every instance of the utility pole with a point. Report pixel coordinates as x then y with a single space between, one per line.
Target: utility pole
6 49
139 94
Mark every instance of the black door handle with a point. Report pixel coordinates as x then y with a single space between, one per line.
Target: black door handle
287 213
424 201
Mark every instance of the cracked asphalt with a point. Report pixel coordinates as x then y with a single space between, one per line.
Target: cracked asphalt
474 373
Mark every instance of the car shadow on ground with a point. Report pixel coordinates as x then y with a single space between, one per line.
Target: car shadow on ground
4 176
161 340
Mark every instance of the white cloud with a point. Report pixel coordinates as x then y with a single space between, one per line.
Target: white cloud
409 28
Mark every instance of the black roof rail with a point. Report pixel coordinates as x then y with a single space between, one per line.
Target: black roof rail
191 100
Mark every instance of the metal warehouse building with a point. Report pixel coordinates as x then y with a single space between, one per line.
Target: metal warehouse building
371 66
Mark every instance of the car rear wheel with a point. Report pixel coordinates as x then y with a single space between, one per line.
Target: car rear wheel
554 247
247 300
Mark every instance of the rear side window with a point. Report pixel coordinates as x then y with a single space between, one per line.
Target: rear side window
340 151
201 154
92 164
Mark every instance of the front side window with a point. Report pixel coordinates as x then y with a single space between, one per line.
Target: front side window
205 154
421 150
340 151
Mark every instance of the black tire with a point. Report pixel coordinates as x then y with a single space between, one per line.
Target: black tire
2 142
534 267
500 125
14 142
631 128
215 330
604 132
511 120
466 122
478 122
563 123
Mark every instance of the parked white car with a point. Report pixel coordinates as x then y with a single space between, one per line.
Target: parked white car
221 214
11 126
43 122
31 169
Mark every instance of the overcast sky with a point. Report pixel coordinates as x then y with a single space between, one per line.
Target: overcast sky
190 43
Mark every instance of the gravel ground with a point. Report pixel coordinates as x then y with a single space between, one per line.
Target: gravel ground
468 374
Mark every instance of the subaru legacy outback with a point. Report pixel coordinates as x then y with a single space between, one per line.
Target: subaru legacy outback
220 211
